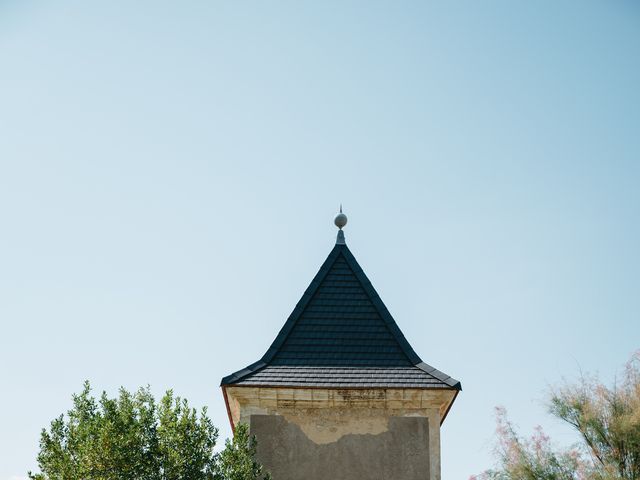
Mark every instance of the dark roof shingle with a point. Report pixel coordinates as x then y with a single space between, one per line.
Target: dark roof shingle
342 377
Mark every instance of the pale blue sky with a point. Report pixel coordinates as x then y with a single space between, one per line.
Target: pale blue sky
169 172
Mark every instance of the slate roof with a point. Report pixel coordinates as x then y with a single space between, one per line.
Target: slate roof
341 335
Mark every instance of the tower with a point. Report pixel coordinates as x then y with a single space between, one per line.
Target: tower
340 393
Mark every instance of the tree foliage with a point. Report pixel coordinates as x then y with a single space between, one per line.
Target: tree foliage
237 460
133 437
607 420
532 458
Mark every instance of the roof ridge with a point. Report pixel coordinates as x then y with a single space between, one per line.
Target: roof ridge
391 324
302 304
381 308
291 320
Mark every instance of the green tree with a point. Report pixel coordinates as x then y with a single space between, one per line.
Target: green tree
607 420
237 461
133 437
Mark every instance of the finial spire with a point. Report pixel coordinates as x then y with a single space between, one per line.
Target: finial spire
340 221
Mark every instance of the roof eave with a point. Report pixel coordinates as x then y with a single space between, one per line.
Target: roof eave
336 387
443 377
240 374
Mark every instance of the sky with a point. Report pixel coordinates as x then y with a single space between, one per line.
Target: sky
169 173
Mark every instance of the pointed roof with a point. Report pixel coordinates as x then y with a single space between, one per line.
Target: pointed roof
341 335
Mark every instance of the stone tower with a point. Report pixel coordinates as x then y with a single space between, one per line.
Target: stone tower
340 394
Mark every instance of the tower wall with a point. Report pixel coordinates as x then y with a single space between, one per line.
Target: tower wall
385 434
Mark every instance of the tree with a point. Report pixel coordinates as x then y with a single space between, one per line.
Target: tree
132 437
607 420
237 460
531 458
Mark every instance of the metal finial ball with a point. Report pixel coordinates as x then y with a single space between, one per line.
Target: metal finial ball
340 220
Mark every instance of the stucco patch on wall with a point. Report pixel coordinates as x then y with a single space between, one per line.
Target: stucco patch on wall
329 425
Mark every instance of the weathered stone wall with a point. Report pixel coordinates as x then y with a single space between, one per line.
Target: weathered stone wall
397 448
344 433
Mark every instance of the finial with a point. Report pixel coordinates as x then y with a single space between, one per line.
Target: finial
341 219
